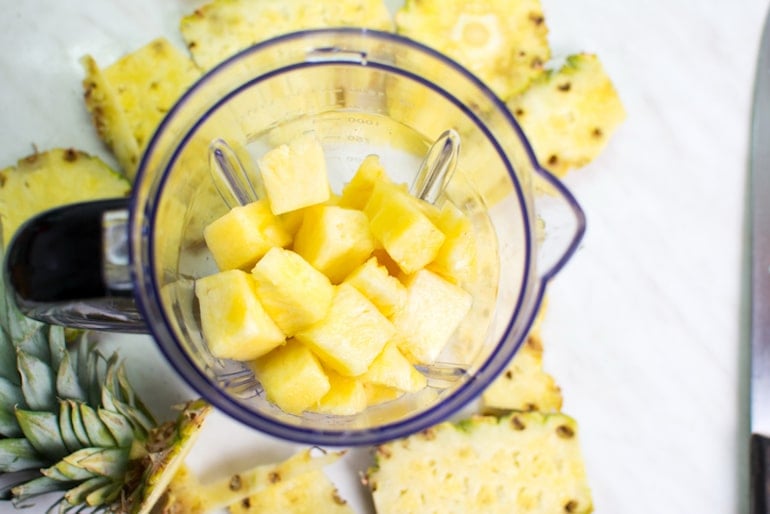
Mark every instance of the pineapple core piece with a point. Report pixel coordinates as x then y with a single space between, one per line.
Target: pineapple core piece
356 193
294 175
234 323
292 377
351 335
334 240
397 221
239 238
293 292
433 311
382 289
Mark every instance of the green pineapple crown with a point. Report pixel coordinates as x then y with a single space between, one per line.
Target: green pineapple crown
69 420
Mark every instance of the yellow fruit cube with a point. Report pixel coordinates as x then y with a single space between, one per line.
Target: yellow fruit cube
346 396
456 259
334 240
292 377
351 335
293 292
234 323
245 233
377 394
398 222
356 193
382 289
433 311
392 369
294 175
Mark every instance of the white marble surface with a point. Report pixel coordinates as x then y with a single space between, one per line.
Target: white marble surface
644 331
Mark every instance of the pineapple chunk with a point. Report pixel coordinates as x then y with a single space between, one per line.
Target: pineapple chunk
234 323
356 193
293 292
292 377
569 114
456 259
294 175
433 311
392 369
334 240
346 396
525 462
239 238
398 222
382 289
504 43
351 335
377 394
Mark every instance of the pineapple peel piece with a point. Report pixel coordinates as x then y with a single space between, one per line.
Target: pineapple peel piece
504 43
522 462
569 114
128 99
45 180
221 28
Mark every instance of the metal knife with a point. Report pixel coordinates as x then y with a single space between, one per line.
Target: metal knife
760 281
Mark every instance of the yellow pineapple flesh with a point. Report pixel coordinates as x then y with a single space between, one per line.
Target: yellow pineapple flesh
380 287
356 193
346 396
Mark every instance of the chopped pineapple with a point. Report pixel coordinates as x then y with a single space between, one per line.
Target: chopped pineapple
569 115
351 335
406 233
293 292
392 369
294 175
504 43
234 323
128 99
334 240
377 394
426 324
221 28
524 462
381 288
45 180
292 377
346 396
356 193
310 493
456 259
239 238
524 385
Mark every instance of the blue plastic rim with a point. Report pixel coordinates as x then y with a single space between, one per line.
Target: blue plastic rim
150 186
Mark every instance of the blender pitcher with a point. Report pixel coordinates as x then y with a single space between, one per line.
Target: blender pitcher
131 264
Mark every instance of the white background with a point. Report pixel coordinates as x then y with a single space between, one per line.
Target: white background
646 327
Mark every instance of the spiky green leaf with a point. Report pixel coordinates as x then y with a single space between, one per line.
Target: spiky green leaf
104 495
78 494
108 462
37 382
118 426
57 345
41 429
8 358
17 454
38 486
65 471
77 424
67 383
10 398
68 435
97 431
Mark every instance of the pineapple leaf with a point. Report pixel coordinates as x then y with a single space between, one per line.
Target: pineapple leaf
77 425
119 427
67 383
18 454
66 430
57 345
37 382
97 431
40 485
65 471
78 494
10 397
41 429
8 358
105 494
107 462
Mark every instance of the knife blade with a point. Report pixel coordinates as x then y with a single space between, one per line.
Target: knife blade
759 201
